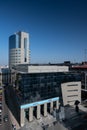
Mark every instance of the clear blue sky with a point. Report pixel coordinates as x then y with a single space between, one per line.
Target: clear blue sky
57 28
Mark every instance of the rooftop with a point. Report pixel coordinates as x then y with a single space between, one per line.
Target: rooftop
74 120
80 66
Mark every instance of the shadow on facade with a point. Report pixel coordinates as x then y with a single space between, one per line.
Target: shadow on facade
12 104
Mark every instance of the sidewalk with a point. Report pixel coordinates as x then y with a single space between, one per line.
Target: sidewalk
13 120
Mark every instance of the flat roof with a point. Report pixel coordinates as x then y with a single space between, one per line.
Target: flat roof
80 67
40 68
41 64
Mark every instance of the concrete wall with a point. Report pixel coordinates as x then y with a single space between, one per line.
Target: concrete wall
41 68
71 92
49 68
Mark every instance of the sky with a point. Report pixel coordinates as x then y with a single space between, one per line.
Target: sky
57 28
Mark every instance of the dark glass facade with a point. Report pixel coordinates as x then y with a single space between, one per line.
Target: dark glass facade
40 86
14 41
25 46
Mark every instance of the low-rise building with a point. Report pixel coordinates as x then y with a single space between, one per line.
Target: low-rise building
37 89
4 75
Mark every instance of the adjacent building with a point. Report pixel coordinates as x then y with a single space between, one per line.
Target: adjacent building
82 68
19 51
4 75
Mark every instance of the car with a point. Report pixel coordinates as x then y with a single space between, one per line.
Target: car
0 113
0 116
0 121
1 106
1 91
5 118
0 98
14 126
0 103
1 88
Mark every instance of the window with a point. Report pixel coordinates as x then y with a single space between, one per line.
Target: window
72 95
72 85
72 90
71 101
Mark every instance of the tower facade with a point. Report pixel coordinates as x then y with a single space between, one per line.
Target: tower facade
19 52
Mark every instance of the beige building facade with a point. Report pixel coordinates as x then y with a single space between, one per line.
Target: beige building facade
19 52
71 91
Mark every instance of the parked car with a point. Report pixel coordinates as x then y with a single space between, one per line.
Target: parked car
14 126
0 108
0 116
0 112
0 105
0 97
5 118
0 91
0 87
0 121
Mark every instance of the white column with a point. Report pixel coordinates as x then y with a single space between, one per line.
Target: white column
38 112
31 114
22 117
51 107
45 109
57 104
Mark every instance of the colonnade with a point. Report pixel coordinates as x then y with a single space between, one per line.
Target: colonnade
38 111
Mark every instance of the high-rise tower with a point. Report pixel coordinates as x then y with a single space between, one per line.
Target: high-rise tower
19 52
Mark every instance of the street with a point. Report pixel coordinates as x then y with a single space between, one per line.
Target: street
6 125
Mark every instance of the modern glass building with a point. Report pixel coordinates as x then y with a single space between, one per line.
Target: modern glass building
34 87
19 52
